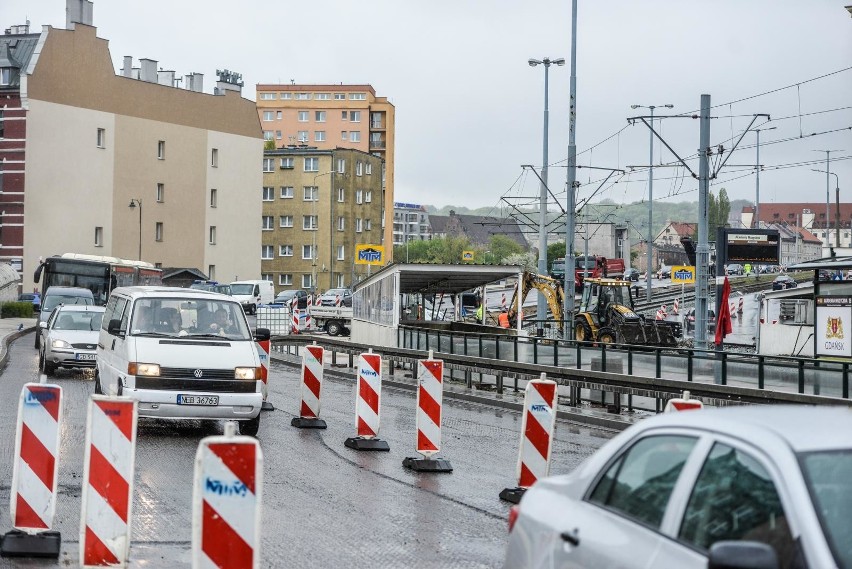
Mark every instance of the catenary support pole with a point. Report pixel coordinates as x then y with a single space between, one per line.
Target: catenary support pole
702 259
568 315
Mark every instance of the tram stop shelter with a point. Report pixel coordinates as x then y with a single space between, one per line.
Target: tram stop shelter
382 301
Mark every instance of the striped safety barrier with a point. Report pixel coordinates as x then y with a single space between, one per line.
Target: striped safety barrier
368 393
226 501
430 394
537 428
311 389
740 306
318 300
503 304
683 403
337 300
108 472
676 307
294 327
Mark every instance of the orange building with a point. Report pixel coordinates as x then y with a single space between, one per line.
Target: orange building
334 116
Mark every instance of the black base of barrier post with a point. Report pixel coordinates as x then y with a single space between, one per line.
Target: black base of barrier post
308 423
360 443
512 495
20 544
427 464
267 406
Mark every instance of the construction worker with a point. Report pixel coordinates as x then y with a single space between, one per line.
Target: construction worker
503 319
479 313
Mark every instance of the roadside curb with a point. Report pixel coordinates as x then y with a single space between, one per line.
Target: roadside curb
4 345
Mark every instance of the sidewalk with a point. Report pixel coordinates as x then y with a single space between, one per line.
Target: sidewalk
10 330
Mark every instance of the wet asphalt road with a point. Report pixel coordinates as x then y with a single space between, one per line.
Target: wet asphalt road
324 505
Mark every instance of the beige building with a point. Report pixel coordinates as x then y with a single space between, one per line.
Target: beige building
334 116
97 141
317 206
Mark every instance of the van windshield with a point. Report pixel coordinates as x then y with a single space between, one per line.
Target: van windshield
182 317
244 289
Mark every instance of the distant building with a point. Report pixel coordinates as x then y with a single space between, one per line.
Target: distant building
317 205
810 216
78 143
410 223
334 116
673 231
477 228
797 244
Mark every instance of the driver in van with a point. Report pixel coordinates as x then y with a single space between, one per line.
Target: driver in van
220 323
144 321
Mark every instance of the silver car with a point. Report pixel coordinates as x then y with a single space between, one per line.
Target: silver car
738 487
69 338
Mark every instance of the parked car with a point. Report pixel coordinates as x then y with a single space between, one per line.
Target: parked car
287 296
782 282
689 320
631 274
736 269
65 295
751 486
664 272
70 337
33 297
329 297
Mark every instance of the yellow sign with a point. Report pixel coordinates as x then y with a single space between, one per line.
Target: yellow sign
369 254
683 274
467 255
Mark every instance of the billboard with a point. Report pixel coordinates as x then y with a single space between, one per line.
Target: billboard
761 246
682 274
366 254
467 256
832 326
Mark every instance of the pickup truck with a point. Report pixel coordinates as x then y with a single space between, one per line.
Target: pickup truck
594 266
335 320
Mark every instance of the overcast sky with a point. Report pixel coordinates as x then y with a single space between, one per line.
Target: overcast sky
469 108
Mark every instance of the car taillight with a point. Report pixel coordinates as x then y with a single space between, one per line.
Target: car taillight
513 516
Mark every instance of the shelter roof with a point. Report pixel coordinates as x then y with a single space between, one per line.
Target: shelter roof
437 278
824 263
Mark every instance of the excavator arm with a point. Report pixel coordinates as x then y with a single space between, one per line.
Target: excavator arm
550 288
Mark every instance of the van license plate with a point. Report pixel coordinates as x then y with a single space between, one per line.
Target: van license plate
211 400
86 357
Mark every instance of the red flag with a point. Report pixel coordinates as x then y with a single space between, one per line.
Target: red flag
723 319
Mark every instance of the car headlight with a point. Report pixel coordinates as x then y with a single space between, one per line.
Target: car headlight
246 373
59 344
138 368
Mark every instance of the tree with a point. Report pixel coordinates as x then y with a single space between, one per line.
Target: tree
440 250
717 213
502 247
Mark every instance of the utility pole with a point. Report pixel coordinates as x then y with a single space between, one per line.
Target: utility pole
828 198
702 256
568 314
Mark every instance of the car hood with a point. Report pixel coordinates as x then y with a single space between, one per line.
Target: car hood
74 336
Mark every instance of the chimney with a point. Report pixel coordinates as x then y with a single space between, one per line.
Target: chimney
195 82
127 69
78 12
148 71
166 78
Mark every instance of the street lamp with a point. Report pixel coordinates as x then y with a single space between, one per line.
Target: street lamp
541 307
133 203
649 241
757 179
837 198
827 196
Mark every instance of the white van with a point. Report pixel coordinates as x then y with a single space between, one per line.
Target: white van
252 294
182 354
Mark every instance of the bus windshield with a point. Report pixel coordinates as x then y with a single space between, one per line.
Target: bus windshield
98 274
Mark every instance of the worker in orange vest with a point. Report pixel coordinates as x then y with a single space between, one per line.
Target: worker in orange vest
503 319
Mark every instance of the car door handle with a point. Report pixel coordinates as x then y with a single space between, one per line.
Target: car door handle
571 537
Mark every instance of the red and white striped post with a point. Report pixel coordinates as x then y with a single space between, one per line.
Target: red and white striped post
368 393
740 306
430 394
294 326
34 474
312 372
676 307
318 300
263 348
503 303
337 300
108 471
537 430
226 501
683 403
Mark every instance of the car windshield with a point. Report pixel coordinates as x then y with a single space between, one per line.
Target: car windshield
829 478
286 295
78 320
54 300
242 289
181 317
335 292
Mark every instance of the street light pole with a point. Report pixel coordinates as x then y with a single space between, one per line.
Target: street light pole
571 195
134 202
541 306
837 198
827 195
756 222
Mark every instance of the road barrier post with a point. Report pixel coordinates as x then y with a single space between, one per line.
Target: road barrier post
108 473
537 429
226 501
312 372
683 403
263 348
368 393
430 394
34 474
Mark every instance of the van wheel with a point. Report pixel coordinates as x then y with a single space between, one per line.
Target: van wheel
250 427
334 328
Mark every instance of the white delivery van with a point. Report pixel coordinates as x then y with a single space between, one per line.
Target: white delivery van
252 294
182 354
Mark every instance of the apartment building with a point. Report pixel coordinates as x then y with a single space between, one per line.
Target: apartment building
334 116
410 223
79 144
318 204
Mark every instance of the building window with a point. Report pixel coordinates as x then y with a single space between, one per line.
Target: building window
268 193
286 96
311 164
278 135
214 197
354 136
285 280
359 168
211 272
368 225
368 196
368 168
344 115
266 252
304 116
344 135
303 96
212 234
310 193
339 96
285 250
355 116
286 192
319 116
341 165
268 164
341 195
99 236
357 96
309 222
322 96
161 149
266 276
158 231
161 192
341 252
341 223
5 75
358 225
306 252
214 157
267 135
279 115
319 136
287 163
285 221
267 223
2 123
307 282
359 196
303 136
267 96
268 115
341 280
101 138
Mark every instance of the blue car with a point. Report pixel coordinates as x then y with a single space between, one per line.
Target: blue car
33 297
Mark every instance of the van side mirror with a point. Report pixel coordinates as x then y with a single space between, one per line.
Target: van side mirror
114 327
261 335
742 555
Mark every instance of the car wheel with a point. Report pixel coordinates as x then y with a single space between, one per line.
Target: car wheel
334 328
47 368
250 427
582 331
37 343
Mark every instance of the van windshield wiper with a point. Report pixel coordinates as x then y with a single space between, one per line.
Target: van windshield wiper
217 336
152 334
